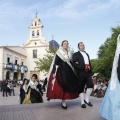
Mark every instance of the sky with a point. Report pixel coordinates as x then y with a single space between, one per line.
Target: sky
87 21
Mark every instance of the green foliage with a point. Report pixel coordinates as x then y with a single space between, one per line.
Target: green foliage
103 64
43 64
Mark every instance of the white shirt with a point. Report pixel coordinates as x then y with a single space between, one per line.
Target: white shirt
86 60
25 88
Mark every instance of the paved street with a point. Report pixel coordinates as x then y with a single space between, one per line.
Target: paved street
11 110
12 100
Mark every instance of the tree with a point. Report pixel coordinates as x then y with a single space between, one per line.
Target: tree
43 64
106 53
95 67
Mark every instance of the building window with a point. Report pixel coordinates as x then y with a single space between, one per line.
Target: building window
8 75
35 23
37 32
22 76
15 62
34 53
33 33
8 60
35 43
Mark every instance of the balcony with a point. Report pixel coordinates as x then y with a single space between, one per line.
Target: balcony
16 67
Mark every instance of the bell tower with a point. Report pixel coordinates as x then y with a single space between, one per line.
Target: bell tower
36 30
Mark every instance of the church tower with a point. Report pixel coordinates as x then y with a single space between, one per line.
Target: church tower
35 47
36 30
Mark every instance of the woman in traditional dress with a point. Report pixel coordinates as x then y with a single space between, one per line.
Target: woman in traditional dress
23 90
34 92
62 81
110 107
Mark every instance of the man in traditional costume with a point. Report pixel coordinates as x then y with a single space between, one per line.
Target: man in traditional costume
82 66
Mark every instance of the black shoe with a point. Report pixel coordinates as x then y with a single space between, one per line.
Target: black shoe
83 106
89 103
48 99
64 107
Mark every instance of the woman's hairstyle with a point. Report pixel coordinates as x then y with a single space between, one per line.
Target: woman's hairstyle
25 80
63 42
80 43
34 75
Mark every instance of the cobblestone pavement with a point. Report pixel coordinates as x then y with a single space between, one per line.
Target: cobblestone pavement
11 110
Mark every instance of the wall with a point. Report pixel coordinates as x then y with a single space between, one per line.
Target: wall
13 56
31 61
1 63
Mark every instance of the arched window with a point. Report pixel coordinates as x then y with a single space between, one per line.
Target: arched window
33 33
7 75
35 23
37 32
22 76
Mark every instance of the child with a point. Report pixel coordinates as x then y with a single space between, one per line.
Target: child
34 93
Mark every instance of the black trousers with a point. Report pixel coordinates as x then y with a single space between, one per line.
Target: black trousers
4 92
84 79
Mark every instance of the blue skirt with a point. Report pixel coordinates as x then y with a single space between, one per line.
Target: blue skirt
110 107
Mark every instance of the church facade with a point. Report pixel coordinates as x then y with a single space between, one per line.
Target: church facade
18 62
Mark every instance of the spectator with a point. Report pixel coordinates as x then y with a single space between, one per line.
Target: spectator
97 90
4 88
9 88
12 88
1 86
44 84
104 88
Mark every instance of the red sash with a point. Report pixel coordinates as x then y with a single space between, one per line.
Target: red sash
87 67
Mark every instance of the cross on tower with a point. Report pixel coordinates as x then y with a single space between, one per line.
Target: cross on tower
36 13
52 37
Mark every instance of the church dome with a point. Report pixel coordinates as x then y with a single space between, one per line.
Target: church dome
54 44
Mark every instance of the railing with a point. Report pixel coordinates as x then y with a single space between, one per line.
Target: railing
16 68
